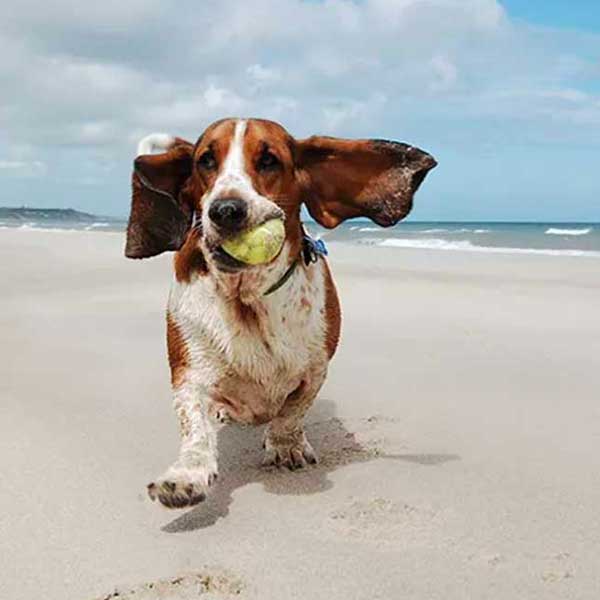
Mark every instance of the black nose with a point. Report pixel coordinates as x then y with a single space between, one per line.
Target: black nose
228 212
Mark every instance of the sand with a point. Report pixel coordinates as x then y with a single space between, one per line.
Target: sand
459 432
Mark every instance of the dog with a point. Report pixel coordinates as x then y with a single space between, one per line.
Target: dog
252 344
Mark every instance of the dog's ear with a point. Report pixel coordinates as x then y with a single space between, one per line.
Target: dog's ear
360 178
160 217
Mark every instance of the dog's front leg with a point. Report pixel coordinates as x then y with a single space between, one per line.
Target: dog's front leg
186 482
285 441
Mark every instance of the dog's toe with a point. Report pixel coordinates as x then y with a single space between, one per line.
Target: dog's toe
297 460
219 414
270 458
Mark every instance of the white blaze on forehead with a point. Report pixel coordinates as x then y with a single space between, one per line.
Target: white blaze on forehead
234 163
233 174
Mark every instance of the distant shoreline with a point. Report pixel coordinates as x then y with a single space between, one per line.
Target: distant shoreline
57 214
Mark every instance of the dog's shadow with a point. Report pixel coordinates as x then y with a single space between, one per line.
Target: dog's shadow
240 454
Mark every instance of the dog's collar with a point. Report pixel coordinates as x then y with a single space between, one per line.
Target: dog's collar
311 251
196 221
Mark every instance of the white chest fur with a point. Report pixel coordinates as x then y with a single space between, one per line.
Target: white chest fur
270 344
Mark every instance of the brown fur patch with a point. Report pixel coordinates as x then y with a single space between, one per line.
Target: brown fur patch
279 184
246 315
190 259
216 139
249 317
244 401
352 178
333 314
158 223
178 352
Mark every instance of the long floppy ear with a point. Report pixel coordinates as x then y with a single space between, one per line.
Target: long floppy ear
360 178
159 218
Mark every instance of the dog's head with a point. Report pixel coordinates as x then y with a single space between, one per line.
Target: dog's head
241 173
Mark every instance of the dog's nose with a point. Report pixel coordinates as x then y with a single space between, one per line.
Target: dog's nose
228 213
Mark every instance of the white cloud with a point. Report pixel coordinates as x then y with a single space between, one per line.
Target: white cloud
262 74
12 164
445 71
227 57
22 168
343 113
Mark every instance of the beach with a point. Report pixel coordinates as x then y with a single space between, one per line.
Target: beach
458 432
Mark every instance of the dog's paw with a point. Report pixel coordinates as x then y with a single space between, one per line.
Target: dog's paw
291 451
181 487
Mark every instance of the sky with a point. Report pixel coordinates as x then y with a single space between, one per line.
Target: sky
504 93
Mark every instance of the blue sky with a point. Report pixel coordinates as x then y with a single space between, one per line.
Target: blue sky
505 94
582 15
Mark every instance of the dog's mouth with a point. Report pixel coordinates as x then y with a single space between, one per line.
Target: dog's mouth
227 263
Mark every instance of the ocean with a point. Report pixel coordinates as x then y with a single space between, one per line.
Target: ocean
551 239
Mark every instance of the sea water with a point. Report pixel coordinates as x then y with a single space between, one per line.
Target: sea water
552 239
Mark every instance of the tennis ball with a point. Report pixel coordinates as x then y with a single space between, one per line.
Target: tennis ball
258 245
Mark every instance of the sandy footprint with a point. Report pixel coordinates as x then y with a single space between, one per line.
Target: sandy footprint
182 587
555 568
384 520
560 568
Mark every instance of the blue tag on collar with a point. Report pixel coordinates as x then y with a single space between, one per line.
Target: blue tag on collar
320 247
312 249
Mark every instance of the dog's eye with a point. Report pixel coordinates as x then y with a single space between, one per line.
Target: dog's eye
207 161
267 161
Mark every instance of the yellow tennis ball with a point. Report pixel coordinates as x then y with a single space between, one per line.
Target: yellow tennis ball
259 245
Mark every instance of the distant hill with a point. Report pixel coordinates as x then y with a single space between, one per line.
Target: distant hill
50 214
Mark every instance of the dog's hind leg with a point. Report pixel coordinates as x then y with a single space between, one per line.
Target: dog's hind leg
285 441
186 482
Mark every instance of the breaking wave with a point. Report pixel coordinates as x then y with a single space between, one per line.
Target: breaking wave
466 246
557 231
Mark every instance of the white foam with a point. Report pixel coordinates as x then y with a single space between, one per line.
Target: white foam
35 228
557 231
96 225
466 246
461 230
435 230
28 227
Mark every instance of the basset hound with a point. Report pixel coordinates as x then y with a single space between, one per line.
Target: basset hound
252 344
